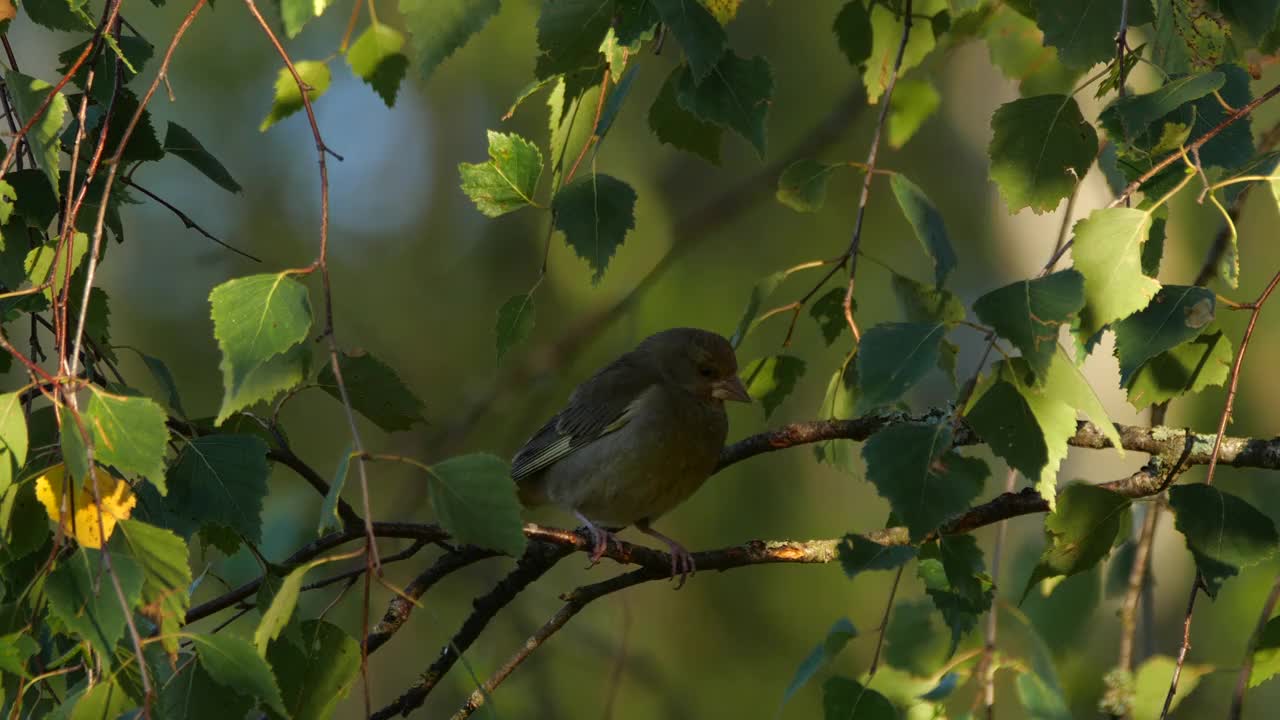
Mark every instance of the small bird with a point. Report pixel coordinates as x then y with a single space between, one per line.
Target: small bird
636 439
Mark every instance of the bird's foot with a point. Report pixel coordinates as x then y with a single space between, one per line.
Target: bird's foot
682 563
599 539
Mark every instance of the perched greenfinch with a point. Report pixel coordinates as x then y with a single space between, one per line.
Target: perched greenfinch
636 439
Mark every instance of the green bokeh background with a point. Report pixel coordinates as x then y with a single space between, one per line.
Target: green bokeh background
418 275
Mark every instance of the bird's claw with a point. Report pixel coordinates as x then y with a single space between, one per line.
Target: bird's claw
599 543
682 564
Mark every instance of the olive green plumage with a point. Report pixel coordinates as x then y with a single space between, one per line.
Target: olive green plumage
637 438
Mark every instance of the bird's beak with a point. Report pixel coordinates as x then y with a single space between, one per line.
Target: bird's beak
730 388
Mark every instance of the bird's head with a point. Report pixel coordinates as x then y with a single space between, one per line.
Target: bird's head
699 361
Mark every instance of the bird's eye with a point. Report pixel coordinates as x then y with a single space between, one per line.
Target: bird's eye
706 372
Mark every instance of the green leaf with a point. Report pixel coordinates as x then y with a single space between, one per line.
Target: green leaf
297 13
853 32
257 319
132 54
37 203
927 222
1080 532
770 380
166 574
375 391
759 293
886 38
1041 701
316 674
288 97
892 358
129 433
613 103
803 185
42 260
569 35
28 93
330 521
219 480
1223 532
69 15
1036 144
192 695
1017 47
441 27
1233 146
1028 426
595 213
1151 685
680 128
277 614
1108 253
475 501
376 57
1135 113
858 555
841 632
839 403
13 438
914 641
232 663
697 30
1084 31
925 482
86 604
160 373
737 95
1177 314
1266 654
180 142
1186 369
507 181
828 312
925 303
1028 314
845 699
15 649
913 102
955 578
106 700
515 323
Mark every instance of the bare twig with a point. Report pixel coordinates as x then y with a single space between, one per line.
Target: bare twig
186 220
538 559
1256 309
1246 667
851 255
1137 581
1186 645
402 605
884 623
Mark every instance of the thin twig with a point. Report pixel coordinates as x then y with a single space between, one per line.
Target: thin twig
1256 307
1182 651
884 623
1246 667
186 220
1138 575
851 255
537 560
987 666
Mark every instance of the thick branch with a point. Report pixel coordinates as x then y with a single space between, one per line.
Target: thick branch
1161 441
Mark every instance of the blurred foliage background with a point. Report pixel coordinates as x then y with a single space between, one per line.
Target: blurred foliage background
419 275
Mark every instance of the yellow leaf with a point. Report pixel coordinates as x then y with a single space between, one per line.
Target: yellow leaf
723 10
77 512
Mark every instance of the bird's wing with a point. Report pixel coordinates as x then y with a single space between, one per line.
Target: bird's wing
599 406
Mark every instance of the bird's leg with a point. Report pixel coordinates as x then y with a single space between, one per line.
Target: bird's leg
599 537
682 563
